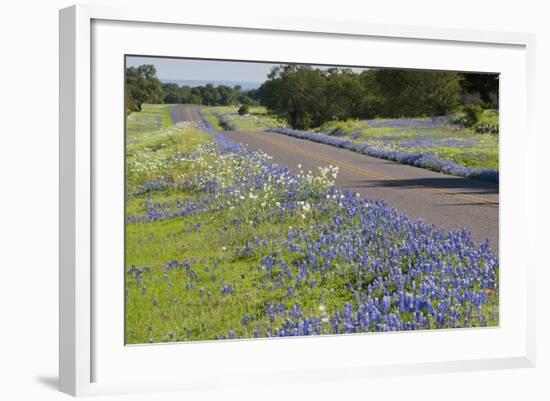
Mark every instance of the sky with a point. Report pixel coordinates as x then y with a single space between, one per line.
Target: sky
204 70
172 69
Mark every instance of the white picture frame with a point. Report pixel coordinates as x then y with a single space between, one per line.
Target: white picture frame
85 323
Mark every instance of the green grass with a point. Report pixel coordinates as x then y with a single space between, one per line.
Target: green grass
192 316
488 122
462 145
151 118
489 117
150 156
212 119
258 119
348 126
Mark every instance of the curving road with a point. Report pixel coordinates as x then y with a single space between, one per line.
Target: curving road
447 201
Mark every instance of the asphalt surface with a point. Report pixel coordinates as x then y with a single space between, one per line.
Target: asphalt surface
446 201
185 113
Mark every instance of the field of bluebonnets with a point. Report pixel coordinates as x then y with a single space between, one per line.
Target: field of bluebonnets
221 243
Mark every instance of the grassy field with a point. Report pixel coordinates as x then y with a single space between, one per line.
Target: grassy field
213 118
256 120
221 243
151 118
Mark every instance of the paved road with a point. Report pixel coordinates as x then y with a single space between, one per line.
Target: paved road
447 201
184 113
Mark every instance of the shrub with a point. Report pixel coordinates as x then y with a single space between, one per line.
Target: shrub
472 114
244 109
488 122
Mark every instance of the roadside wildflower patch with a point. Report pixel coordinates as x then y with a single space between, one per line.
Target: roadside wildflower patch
156 155
419 143
445 138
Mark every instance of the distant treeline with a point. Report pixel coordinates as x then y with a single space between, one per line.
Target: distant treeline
307 97
208 95
143 86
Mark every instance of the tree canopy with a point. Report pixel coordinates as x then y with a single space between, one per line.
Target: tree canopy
207 95
142 85
307 96
486 85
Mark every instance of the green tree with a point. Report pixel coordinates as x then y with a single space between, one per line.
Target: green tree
228 96
172 93
297 94
345 94
486 85
371 100
142 85
210 95
184 93
307 97
412 93
194 99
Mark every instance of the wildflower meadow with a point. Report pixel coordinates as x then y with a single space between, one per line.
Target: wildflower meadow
222 243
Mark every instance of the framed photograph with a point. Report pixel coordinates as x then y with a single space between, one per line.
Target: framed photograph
290 200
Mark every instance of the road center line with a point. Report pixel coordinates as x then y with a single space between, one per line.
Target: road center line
368 173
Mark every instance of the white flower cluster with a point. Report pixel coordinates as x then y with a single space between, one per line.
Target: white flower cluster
325 178
146 162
